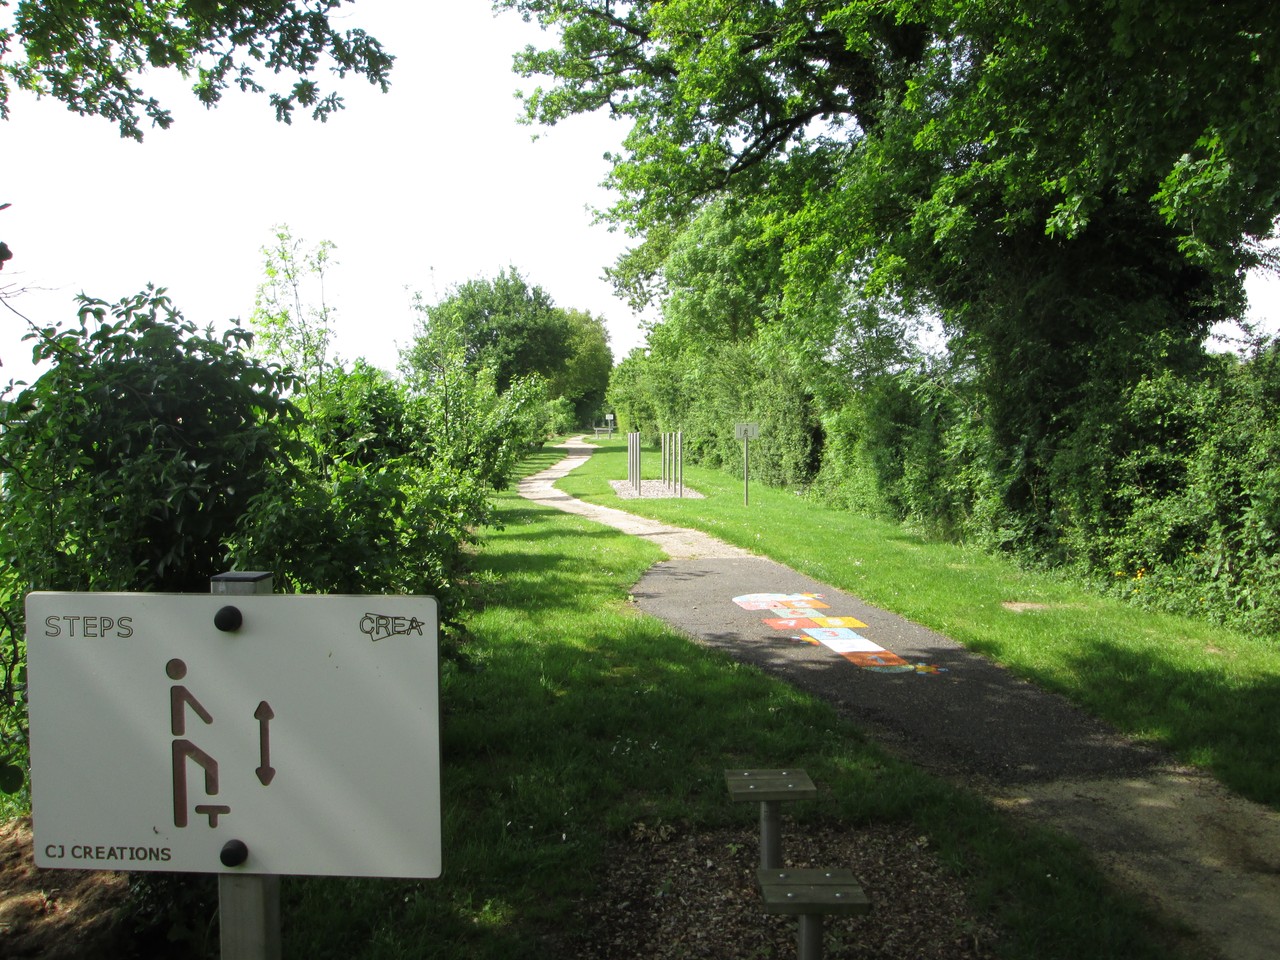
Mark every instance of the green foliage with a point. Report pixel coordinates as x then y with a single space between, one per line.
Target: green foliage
126 466
291 319
1183 511
705 391
584 376
501 324
561 418
508 336
1076 192
1165 493
471 425
88 54
131 459
628 395
14 759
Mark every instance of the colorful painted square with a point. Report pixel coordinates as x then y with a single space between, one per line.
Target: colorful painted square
790 623
803 603
882 659
851 644
839 622
832 633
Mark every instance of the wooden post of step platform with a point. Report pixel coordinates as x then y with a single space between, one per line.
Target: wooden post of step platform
811 894
770 788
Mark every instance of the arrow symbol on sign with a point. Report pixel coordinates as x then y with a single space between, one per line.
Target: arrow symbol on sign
264 715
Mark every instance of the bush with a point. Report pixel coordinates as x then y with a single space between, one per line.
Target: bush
127 465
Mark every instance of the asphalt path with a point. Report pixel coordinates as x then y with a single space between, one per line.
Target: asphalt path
955 711
1177 837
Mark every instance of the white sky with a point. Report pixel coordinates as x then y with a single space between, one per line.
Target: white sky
427 186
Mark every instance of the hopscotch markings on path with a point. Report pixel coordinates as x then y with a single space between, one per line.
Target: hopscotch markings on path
794 612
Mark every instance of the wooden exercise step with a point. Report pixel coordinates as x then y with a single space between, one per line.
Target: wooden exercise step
809 894
812 890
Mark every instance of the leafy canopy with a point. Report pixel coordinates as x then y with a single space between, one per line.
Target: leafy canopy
889 128
89 54
503 324
1077 190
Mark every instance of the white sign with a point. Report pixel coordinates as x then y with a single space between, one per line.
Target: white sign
746 431
309 733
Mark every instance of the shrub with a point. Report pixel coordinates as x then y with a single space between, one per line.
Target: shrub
127 464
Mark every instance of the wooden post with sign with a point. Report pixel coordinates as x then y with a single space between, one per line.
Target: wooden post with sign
746 432
248 904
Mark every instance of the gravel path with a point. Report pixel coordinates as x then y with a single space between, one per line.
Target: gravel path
1206 857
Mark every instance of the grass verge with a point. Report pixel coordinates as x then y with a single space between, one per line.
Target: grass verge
1204 692
579 718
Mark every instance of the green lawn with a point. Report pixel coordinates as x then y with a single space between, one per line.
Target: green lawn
573 718
1206 693
576 718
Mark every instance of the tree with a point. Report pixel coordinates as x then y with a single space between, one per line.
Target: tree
1077 190
503 324
89 54
584 378
467 423
1055 113
132 459
291 317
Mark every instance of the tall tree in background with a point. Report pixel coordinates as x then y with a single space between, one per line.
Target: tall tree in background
1076 189
291 317
503 324
584 378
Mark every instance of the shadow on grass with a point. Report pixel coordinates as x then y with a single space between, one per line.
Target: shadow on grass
1208 717
586 719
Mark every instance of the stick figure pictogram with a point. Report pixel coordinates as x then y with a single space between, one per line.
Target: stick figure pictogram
180 698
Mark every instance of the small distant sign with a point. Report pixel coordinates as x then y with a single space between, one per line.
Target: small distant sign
608 417
308 730
746 431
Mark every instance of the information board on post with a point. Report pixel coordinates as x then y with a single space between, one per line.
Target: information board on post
746 432
165 727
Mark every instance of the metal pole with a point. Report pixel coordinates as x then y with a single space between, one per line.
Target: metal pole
746 471
680 460
671 461
809 937
770 835
248 904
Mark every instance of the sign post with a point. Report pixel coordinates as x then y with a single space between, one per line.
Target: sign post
249 904
746 432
